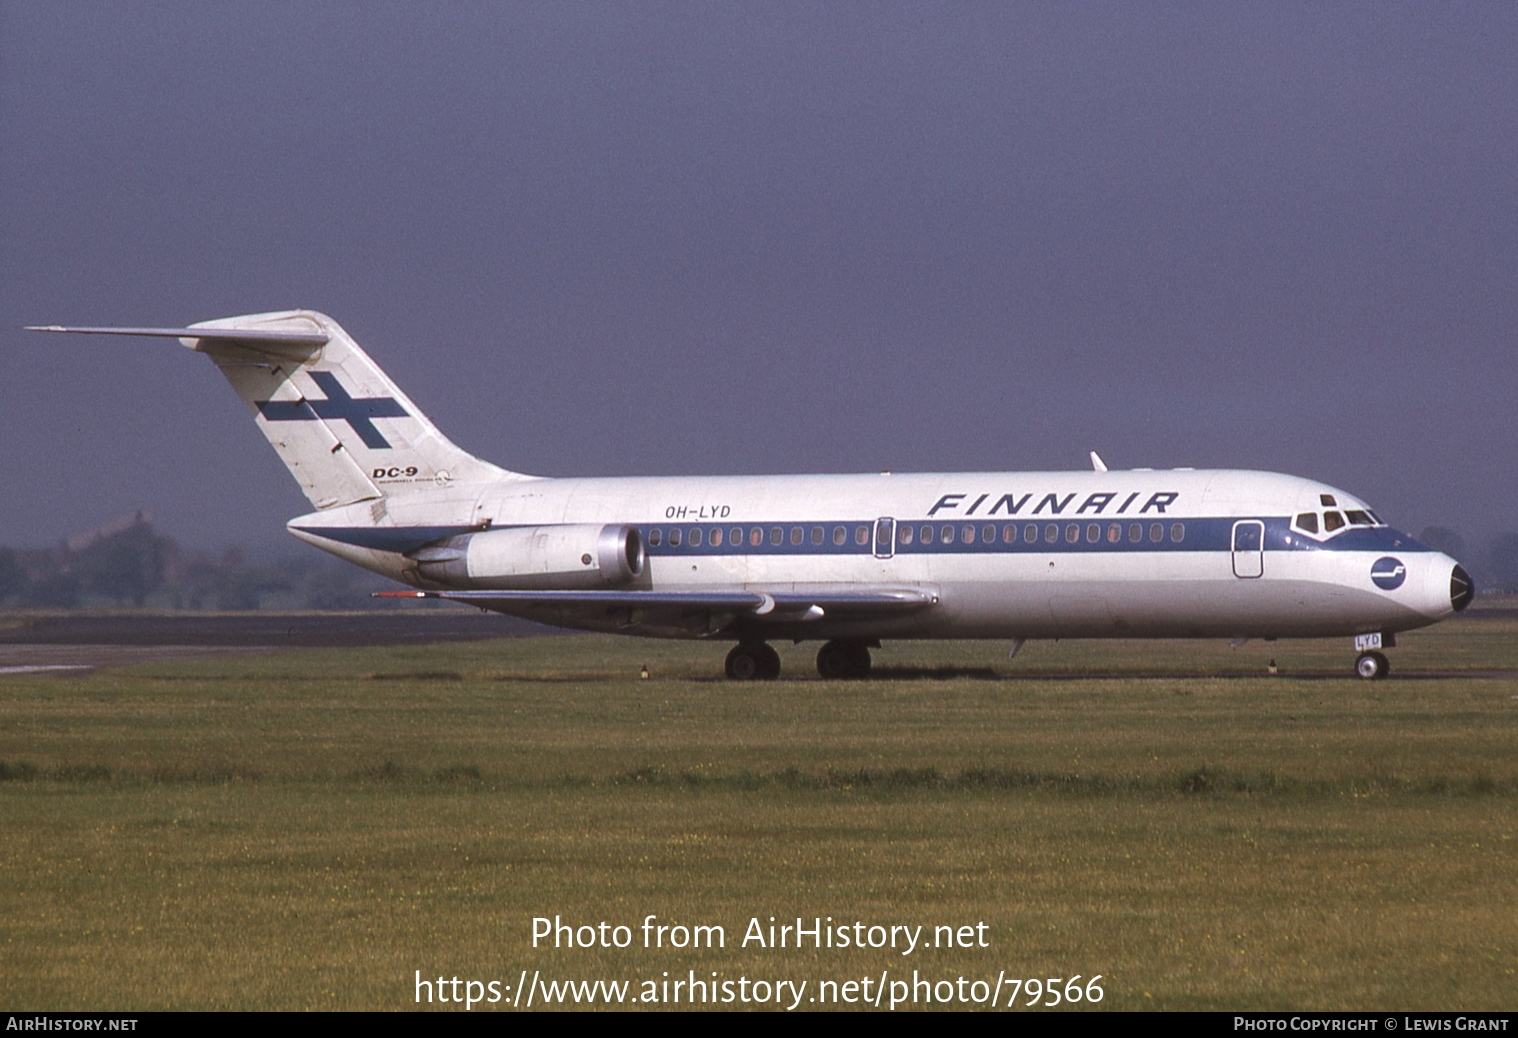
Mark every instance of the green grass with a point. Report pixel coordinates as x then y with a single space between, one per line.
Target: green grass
306 830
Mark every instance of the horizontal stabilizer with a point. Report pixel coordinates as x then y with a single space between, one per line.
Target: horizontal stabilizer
343 428
266 340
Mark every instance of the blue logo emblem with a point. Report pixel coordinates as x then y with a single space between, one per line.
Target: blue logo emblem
1388 573
339 406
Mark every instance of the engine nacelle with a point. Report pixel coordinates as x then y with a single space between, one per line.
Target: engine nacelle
583 555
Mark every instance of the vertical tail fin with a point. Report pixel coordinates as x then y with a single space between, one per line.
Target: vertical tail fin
346 432
343 429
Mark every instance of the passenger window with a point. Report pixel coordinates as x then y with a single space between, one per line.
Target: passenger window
1072 533
1030 533
674 538
1136 532
927 535
1009 534
735 537
1178 532
861 535
816 535
655 537
1051 534
967 535
1357 517
756 537
695 537
797 535
1114 533
777 535
904 534
946 535
1332 521
716 537
1093 533
1307 522
988 534
840 535
1156 532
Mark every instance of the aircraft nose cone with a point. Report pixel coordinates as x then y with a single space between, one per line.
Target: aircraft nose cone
1461 588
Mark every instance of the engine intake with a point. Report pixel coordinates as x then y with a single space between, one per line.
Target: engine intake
582 555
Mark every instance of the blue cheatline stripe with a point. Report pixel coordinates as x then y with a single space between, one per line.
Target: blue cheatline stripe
1197 535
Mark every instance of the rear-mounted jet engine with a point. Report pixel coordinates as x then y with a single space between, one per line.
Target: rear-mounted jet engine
584 555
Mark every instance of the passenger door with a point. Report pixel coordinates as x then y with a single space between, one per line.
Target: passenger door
1248 548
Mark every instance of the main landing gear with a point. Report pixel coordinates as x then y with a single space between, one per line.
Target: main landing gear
837 660
843 659
753 661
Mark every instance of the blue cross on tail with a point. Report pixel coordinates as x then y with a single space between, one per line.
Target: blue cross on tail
338 406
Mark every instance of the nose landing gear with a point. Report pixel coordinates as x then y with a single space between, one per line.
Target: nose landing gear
1372 666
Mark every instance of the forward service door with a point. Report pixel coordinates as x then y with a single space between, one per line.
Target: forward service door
1248 548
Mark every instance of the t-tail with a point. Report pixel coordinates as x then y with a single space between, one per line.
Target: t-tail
346 432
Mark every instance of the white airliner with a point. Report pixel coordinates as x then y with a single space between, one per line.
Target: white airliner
845 560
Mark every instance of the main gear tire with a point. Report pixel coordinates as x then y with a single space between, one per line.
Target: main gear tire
753 662
843 660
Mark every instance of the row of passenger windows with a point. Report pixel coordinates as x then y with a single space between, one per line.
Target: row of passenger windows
755 537
927 533
1049 533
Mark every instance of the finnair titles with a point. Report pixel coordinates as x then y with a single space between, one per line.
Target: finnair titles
848 561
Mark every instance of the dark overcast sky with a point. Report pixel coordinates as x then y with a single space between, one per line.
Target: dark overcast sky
642 238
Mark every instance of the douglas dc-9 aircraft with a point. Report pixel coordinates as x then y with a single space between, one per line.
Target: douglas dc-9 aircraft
846 560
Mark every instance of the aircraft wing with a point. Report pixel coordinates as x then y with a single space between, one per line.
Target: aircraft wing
774 605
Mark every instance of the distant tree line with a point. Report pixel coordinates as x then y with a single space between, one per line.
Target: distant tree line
129 564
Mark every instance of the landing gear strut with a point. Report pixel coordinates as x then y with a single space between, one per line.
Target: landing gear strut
1372 666
753 661
842 659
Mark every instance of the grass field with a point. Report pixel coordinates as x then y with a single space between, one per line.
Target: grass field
307 830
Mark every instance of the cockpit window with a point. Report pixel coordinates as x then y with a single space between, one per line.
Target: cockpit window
1328 500
1307 522
1332 520
1357 517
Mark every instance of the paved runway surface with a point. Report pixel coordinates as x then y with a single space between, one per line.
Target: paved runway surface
67 644
70 644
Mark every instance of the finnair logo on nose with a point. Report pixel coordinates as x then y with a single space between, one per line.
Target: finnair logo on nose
1388 573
